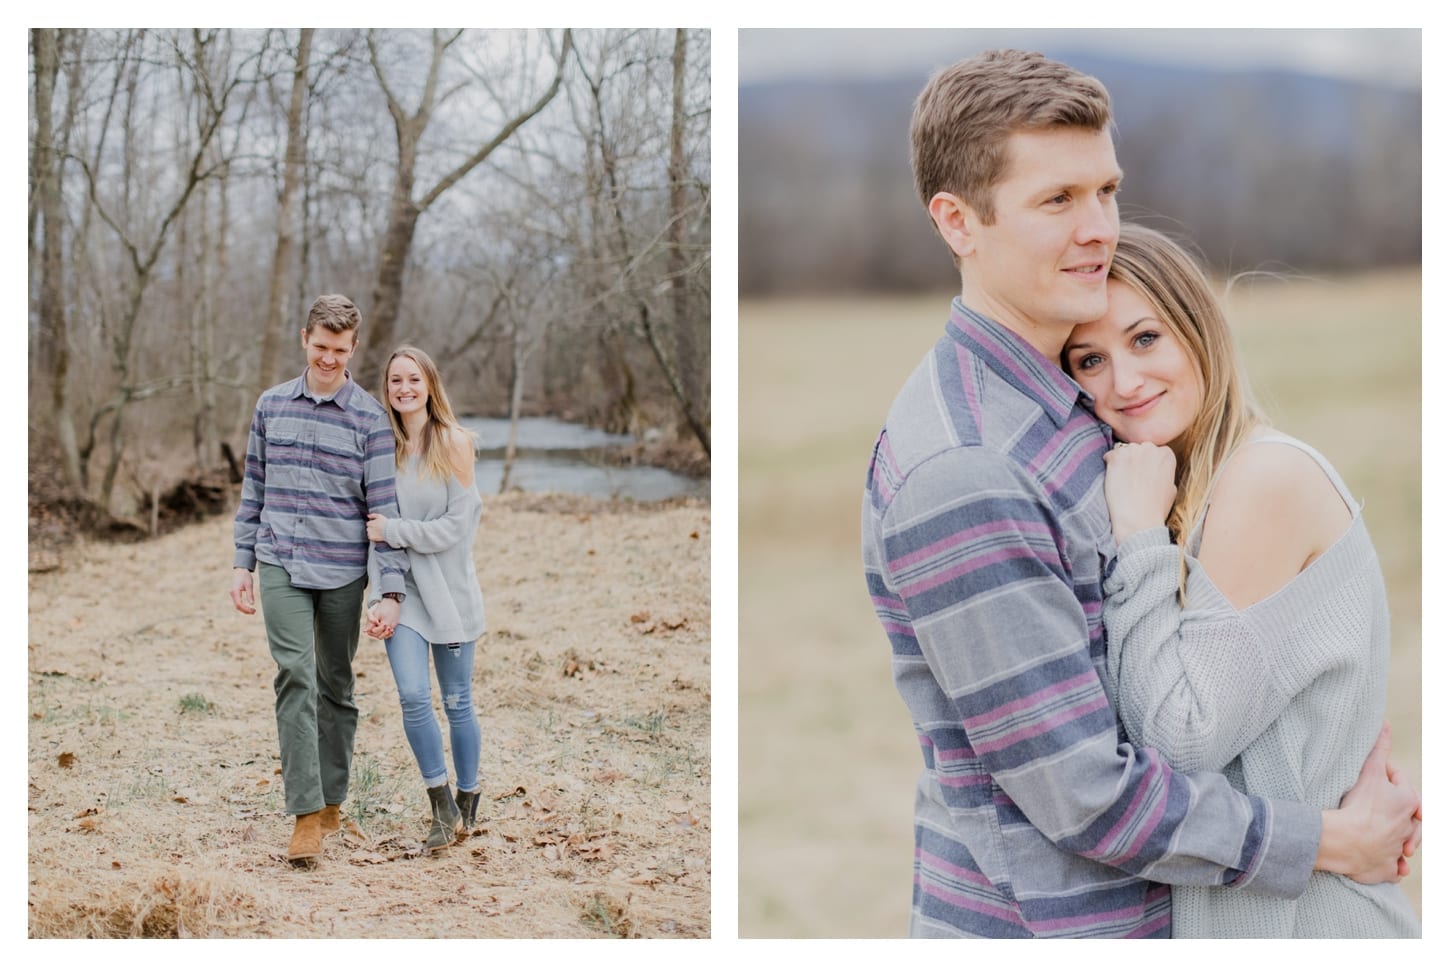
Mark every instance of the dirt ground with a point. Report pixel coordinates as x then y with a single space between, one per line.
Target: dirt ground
155 794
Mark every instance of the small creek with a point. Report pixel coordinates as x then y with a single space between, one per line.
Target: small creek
560 457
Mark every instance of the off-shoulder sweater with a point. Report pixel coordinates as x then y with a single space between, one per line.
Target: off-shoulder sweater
1285 697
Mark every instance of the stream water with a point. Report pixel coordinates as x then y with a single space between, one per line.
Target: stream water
560 457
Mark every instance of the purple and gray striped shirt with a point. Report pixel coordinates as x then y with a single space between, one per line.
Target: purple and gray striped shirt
986 539
315 470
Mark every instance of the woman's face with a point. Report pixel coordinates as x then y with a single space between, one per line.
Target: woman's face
407 389
1143 383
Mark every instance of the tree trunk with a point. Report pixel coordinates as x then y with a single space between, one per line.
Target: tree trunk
278 321
54 338
686 351
381 322
516 400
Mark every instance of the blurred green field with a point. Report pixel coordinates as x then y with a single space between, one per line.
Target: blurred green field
827 755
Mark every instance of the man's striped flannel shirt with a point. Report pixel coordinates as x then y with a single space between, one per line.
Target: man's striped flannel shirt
986 538
315 470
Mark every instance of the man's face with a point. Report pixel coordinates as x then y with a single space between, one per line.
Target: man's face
327 356
1041 267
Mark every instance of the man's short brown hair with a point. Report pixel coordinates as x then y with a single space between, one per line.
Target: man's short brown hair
967 111
335 313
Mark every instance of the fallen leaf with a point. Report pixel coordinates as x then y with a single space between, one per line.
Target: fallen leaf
602 852
89 811
366 858
66 759
606 775
639 617
694 535
115 864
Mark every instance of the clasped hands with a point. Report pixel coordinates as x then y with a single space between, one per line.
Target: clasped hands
383 619
383 616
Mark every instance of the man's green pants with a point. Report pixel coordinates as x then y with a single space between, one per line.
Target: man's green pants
313 637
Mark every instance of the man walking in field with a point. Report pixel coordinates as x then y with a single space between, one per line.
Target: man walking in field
985 540
320 458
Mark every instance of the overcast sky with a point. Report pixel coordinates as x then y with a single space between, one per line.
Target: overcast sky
1391 56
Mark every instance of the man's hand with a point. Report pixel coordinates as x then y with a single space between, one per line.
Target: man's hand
243 596
1412 844
1377 824
383 618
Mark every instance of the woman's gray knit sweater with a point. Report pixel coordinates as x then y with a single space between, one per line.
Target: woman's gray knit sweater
442 600
1285 697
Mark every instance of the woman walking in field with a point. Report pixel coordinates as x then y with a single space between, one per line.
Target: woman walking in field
442 611
1258 644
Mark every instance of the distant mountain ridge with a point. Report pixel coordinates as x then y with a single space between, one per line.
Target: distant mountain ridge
1256 167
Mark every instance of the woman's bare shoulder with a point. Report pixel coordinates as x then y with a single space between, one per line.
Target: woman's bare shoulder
1273 511
461 454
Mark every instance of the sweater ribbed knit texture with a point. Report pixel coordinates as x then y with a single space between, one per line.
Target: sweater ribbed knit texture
1285 697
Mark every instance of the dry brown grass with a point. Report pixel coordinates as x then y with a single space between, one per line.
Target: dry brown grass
155 796
825 818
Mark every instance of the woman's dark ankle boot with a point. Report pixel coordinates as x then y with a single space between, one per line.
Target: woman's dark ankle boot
468 808
447 821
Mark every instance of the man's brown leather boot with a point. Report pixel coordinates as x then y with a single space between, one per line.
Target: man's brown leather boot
331 819
306 838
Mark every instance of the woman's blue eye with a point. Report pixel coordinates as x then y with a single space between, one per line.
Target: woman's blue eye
1145 339
1088 361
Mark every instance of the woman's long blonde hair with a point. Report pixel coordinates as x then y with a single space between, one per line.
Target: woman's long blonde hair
1167 276
442 424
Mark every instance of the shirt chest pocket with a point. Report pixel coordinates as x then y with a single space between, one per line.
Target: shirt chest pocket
285 447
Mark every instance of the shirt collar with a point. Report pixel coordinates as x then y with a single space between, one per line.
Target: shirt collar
1017 361
340 396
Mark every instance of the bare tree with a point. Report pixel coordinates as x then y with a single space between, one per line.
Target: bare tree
686 351
142 248
278 318
629 249
403 209
53 345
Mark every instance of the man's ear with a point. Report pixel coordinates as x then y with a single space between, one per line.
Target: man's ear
955 222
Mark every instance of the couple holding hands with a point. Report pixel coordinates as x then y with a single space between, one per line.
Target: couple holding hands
344 495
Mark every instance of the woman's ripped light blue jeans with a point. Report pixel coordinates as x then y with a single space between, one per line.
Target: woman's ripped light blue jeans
453 664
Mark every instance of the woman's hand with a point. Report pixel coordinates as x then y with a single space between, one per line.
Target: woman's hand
375 527
378 625
1139 487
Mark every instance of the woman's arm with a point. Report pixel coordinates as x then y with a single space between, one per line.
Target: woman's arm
1201 685
464 505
